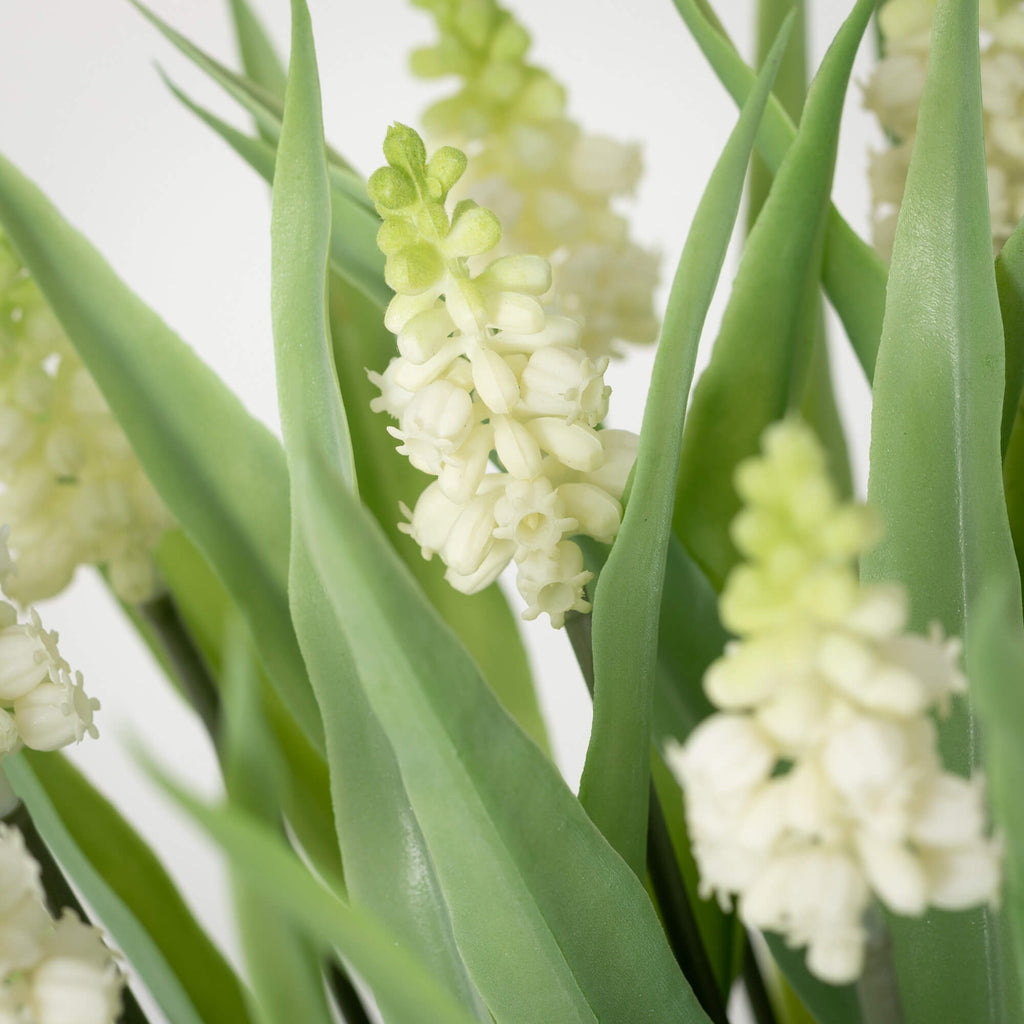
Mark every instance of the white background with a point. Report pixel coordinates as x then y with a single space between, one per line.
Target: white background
186 224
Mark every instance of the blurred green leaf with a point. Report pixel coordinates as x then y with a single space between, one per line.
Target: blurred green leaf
283 964
231 496
761 357
129 890
935 466
259 58
387 865
996 672
354 252
1010 286
381 960
206 608
627 601
853 274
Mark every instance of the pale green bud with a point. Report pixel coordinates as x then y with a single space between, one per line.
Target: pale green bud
474 230
391 189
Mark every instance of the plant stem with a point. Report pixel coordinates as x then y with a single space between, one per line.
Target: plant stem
346 997
60 895
669 889
757 991
877 991
169 628
677 915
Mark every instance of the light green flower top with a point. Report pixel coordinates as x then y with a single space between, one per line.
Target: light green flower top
484 367
551 184
72 491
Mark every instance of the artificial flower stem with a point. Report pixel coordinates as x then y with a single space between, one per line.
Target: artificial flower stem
346 998
877 990
753 982
59 893
669 890
170 630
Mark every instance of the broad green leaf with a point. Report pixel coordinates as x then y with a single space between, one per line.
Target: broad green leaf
283 964
206 608
627 601
935 464
761 359
383 962
387 867
231 496
534 890
129 890
1010 285
259 58
996 672
853 274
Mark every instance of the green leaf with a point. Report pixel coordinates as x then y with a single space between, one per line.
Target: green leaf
259 58
853 274
387 866
996 672
206 608
534 890
627 601
354 252
283 964
231 496
129 890
761 358
375 953
935 463
1010 286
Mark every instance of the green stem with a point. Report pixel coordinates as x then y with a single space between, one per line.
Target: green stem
877 990
60 895
757 991
346 997
669 889
169 628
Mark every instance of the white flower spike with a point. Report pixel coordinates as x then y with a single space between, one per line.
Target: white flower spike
818 785
483 367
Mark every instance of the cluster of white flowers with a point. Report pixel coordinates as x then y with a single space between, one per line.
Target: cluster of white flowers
41 704
73 492
551 185
894 94
818 784
484 368
52 971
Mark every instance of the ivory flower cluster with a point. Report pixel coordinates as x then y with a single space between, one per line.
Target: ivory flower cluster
41 705
894 94
483 368
818 785
53 971
73 492
551 184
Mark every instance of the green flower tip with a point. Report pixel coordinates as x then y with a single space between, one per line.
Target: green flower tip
410 180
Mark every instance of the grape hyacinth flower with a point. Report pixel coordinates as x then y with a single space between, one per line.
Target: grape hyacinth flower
818 785
484 367
72 491
894 95
51 971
